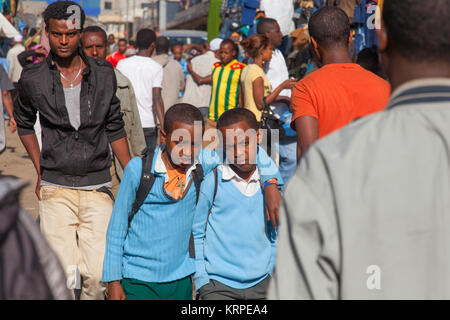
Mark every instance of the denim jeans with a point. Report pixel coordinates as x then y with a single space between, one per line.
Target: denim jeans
288 158
151 137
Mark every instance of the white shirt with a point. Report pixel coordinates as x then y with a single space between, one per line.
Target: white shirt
195 94
15 69
277 72
248 189
282 11
144 74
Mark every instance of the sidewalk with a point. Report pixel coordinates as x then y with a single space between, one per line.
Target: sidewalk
15 162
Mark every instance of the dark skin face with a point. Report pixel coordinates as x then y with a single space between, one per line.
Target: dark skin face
241 149
177 52
63 38
181 151
111 39
122 47
226 53
275 36
94 45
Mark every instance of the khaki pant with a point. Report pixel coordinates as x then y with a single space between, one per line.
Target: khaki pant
75 224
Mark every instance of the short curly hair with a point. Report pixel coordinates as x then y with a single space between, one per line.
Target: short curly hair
330 27
418 30
63 10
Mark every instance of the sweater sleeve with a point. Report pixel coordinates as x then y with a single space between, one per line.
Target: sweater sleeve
201 277
118 225
267 168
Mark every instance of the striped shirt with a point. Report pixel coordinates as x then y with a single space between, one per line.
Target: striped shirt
225 88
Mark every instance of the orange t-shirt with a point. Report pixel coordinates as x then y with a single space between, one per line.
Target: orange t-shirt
337 94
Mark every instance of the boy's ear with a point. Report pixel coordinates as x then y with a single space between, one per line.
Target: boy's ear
163 137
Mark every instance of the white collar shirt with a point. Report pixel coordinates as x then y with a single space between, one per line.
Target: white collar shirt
250 188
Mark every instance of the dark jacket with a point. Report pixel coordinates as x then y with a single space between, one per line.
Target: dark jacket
70 157
29 269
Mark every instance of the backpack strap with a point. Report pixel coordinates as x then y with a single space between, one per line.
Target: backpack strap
198 179
216 185
197 176
146 184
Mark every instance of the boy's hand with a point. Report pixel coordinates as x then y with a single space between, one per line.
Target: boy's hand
115 291
273 200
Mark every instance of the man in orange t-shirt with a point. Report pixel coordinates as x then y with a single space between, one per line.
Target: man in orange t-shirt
340 91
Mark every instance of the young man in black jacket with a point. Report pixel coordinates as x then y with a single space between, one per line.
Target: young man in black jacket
80 116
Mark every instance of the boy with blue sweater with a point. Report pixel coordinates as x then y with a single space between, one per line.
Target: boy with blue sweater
234 242
150 260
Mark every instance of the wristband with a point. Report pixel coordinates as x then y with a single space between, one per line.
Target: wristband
269 183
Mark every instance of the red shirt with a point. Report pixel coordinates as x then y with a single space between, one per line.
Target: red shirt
115 58
337 94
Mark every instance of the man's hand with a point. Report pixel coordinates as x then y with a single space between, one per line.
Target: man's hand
273 201
38 188
115 291
12 125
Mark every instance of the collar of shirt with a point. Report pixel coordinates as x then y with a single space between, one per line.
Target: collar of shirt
425 82
160 168
249 188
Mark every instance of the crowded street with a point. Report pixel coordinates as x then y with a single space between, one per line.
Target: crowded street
225 150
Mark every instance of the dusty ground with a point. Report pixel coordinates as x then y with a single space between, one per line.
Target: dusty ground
15 162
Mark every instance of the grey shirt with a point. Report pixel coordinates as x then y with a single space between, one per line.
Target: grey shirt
72 96
367 214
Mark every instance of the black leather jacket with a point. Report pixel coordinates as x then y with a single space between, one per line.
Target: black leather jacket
69 157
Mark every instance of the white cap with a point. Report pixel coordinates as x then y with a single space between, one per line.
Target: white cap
214 45
18 38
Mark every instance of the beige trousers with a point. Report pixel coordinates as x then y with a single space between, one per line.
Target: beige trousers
75 224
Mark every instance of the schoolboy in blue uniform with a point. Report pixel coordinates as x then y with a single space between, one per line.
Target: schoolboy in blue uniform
150 260
234 242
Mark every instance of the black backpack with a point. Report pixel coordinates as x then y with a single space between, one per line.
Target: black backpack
146 184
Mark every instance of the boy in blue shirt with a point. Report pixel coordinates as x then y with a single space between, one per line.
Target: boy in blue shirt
234 242
150 260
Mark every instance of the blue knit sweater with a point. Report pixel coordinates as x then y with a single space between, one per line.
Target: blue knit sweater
238 248
156 248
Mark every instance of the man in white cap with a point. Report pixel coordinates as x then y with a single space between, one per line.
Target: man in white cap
15 69
200 95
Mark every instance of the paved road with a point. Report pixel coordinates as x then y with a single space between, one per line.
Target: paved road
15 162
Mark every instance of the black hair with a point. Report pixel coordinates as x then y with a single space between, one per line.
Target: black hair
122 40
176 44
61 10
266 25
184 113
235 46
416 29
145 38
33 31
368 59
237 115
162 45
96 29
330 27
